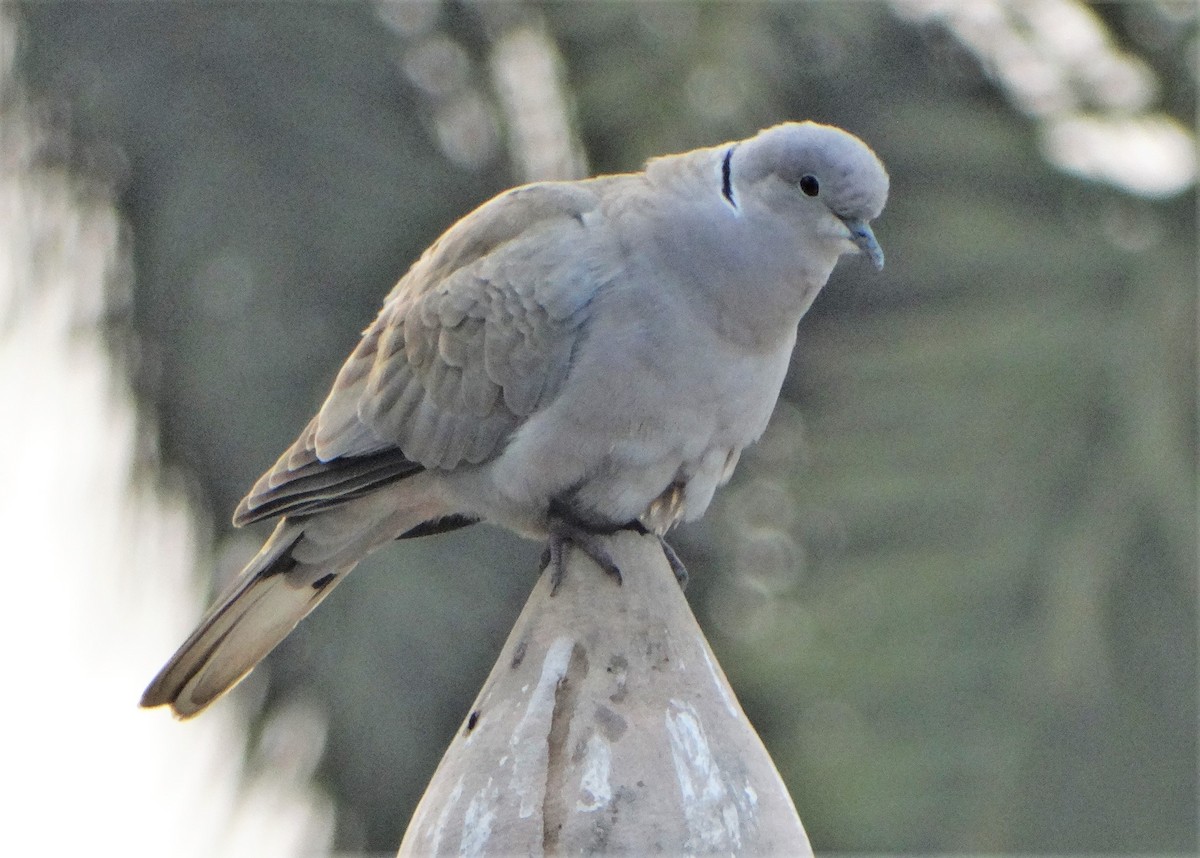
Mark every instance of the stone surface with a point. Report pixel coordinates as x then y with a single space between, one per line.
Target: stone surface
607 726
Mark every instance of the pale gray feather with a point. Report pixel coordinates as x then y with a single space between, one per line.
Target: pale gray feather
604 347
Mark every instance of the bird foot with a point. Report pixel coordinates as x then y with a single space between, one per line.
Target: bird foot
564 532
677 567
681 573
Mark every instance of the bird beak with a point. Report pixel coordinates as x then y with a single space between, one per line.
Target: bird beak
864 240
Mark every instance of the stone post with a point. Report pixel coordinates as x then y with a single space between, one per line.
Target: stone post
606 726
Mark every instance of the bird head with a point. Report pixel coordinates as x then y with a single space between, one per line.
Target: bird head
824 182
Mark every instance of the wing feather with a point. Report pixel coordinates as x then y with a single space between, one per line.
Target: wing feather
474 338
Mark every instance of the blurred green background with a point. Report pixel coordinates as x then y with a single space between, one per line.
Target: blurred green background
955 584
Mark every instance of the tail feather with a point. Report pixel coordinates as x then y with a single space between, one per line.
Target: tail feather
300 564
272 595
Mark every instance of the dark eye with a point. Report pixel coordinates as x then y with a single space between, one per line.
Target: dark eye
810 185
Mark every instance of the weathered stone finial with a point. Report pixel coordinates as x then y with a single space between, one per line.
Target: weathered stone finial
607 726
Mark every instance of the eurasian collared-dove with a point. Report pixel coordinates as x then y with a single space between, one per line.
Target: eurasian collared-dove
569 359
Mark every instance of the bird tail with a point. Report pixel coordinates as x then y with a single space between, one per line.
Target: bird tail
274 593
299 565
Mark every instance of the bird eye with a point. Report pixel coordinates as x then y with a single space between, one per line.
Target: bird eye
810 185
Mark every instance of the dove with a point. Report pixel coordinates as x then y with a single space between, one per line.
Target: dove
568 360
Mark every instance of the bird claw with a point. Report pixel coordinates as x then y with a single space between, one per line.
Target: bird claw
677 567
554 557
564 531
681 573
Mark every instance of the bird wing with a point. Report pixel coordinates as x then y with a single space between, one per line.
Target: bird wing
478 335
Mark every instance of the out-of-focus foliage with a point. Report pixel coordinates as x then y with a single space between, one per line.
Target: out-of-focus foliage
954 585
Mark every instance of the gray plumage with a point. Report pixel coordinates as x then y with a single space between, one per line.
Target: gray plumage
595 352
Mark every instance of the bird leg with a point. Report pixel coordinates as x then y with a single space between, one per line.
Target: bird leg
681 573
566 528
563 530
677 567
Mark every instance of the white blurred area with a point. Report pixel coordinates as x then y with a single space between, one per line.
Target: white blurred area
103 555
528 75
98 571
1056 61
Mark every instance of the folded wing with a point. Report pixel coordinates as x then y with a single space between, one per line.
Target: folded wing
478 335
